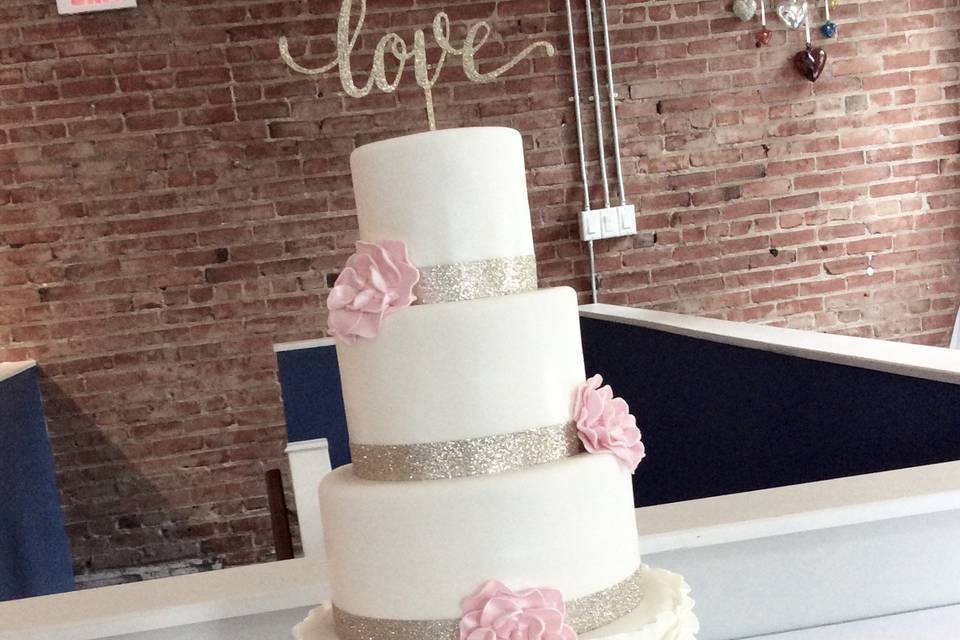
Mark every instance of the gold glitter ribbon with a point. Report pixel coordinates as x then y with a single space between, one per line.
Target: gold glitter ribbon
469 457
583 614
459 281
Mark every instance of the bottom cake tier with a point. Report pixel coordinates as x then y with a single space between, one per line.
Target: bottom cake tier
666 613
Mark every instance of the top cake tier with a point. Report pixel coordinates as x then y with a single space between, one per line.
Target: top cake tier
453 196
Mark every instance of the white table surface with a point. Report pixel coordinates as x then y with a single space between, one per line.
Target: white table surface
929 624
708 540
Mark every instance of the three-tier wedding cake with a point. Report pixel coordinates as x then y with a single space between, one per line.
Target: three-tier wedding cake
490 495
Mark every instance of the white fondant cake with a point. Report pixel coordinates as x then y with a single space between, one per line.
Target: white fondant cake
429 374
464 412
568 524
453 195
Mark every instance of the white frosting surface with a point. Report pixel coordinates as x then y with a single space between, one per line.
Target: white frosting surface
453 195
413 550
666 614
465 369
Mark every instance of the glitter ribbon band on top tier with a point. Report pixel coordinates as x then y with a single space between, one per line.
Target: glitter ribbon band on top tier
459 281
469 457
583 614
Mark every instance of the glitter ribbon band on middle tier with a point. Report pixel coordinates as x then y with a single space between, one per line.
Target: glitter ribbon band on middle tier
469 457
488 278
584 614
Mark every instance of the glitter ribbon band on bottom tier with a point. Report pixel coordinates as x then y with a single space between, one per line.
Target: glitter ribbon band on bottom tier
584 614
469 457
488 278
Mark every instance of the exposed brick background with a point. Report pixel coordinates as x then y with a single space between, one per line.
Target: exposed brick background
173 201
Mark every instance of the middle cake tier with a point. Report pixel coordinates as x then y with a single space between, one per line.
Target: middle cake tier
413 550
461 370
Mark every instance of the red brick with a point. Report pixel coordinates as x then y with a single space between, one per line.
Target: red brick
88 88
840 160
145 121
804 201
203 77
779 292
893 188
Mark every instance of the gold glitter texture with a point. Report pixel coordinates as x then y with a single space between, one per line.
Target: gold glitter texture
583 614
347 36
459 281
470 457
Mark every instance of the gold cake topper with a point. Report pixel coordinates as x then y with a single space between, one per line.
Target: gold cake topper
477 35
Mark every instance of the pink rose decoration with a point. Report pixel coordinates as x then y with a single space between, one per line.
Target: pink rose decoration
605 425
377 281
498 613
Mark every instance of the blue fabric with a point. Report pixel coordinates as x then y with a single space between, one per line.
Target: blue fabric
34 551
312 402
719 419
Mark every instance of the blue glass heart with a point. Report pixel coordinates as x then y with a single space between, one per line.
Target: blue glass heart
829 29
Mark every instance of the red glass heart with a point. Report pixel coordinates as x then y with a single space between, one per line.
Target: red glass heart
763 36
810 62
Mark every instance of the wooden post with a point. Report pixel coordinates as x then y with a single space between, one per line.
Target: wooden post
279 519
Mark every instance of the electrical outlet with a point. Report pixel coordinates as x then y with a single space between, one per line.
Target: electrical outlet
590 225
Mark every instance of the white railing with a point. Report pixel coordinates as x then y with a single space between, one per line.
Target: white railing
10 369
919 361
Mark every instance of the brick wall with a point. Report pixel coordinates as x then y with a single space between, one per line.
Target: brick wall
173 201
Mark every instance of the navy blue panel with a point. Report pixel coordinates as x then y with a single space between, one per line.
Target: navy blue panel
720 419
312 403
34 552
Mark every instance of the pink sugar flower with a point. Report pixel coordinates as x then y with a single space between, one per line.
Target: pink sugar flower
377 281
496 612
605 425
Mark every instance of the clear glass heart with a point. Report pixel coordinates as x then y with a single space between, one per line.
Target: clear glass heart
792 12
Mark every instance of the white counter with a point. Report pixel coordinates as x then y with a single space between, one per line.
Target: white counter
919 361
802 507
695 536
10 369
303 344
165 602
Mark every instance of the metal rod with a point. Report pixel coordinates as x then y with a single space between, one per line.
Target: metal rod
596 104
580 150
593 272
576 109
613 103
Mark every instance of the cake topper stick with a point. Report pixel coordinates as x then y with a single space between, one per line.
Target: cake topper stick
347 36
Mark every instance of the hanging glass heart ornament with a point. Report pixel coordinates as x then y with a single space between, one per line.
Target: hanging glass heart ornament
745 9
828 28
811 61
763 36
792 12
